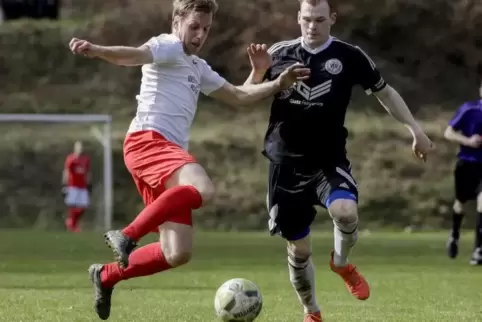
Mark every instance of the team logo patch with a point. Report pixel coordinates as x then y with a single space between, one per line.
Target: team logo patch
333 66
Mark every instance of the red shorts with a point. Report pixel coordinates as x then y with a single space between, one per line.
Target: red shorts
152 159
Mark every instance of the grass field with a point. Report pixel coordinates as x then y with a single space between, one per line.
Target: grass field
43 277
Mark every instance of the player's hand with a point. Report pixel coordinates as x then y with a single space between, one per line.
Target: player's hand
259 57
292 74
475 141
422 145
82 47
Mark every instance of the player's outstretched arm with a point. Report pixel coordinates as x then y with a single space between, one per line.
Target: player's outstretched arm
260 61
118 55
255 77
249 94
391 100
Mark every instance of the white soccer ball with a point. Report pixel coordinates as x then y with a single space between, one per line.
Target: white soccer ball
238 300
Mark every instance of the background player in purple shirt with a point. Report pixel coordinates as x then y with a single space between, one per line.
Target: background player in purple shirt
465 128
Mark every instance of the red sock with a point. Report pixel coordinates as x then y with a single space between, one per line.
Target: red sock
144 261
75 216
176 200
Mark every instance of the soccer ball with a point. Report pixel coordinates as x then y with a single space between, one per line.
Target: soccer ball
238 300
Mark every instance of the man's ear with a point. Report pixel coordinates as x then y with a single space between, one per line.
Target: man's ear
333 17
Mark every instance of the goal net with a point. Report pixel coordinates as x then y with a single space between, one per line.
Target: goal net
33 149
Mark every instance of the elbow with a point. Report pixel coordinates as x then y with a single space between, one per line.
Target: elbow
448 133
385 95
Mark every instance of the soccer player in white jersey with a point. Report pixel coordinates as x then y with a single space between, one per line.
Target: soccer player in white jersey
169 179
306 145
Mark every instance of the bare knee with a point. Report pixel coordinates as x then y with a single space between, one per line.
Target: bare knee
458 207
206 190
193 174
299 249
176 243
178 257
344 211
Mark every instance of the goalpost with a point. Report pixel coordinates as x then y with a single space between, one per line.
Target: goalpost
104 137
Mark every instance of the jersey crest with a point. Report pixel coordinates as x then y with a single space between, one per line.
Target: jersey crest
333 66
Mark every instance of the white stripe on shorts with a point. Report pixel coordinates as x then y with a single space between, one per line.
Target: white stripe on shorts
347 176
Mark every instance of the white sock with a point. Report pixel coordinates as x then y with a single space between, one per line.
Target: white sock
345 237
302 277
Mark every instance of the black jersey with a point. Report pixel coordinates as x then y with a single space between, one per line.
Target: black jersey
306 124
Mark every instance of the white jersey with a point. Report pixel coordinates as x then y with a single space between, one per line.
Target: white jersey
170 88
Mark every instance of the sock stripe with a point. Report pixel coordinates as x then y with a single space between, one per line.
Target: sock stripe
298 263
348 233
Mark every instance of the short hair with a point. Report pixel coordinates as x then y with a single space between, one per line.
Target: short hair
316 2
182 8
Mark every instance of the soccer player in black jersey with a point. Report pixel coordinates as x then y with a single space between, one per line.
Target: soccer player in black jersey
305 143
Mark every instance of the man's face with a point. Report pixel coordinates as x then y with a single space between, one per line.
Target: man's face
78 148
315 21
192 30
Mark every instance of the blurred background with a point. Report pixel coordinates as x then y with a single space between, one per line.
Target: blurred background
431 51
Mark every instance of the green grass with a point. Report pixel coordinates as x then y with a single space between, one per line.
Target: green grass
43 278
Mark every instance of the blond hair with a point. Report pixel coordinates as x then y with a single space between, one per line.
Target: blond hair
182 8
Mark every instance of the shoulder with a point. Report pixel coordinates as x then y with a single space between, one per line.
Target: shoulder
165 40
349 48
469 106
465 109
282 46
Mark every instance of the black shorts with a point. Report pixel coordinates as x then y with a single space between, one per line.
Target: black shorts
294 191
468 180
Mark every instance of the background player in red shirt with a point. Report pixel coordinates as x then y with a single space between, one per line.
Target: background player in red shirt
76 186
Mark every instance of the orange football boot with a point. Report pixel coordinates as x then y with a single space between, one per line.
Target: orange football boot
354 281
313 317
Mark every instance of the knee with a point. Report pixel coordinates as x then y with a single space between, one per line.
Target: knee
344 211
178 257
176 243
206 190
299 249
458 207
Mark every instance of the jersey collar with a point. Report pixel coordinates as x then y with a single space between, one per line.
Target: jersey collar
316 50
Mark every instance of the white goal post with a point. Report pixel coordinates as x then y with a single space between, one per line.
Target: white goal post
104 138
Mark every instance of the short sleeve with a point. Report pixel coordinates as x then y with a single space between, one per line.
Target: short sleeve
366 73
459 120
210 80
165 48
